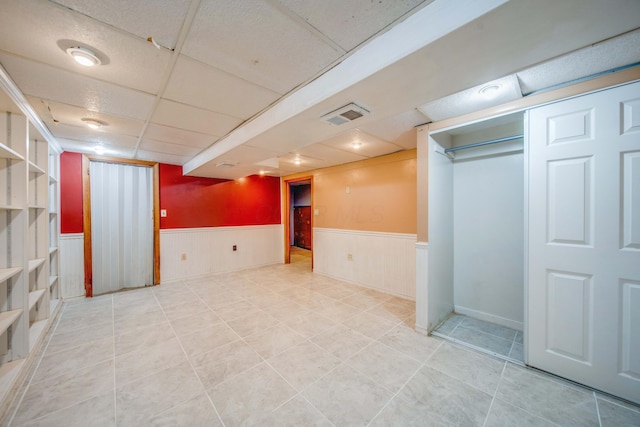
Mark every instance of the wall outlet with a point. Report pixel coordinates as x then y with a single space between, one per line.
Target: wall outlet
163 213
350 257
183 257
235 248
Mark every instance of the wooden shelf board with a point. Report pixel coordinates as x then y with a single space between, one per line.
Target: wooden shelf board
35 263
8 153
52 280
7 318
10 208
8 273
52 180
35 296
37 206
33 168
53 213
53 249
35 332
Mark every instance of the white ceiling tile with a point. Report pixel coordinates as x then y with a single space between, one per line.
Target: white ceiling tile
167 148
369 145
160 19
71 115
257 42
183 116
327 155
83 134
349 23
178 136
153 156
398 129
247 155
204 86
83 147
47 82
127 61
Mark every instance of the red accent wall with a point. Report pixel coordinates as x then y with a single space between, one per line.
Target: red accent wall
70 193
190 202
193 202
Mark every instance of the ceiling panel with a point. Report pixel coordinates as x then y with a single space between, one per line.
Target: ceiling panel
361 143
82 133
167 148
201 85
161 19
349 23
183 116
48 25
247 155
83 147
255 41
398 129
47 82
49 111
153 156
328 154
178 136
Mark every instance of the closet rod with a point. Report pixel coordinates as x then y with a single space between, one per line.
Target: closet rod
480 144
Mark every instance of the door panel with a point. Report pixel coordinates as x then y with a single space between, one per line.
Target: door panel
584 240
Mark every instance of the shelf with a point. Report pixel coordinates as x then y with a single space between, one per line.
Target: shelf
35 296
8 273
35 332
33 168
7 319
35 263
52 180
52 281
8 153
10 208
37 207
53 249
53 213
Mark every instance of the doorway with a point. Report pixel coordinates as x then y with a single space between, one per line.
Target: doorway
299 221
121 224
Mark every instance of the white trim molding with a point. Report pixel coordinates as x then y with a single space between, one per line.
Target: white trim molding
71 265
377 260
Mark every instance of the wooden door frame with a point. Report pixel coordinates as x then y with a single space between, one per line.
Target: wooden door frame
286 196
86 215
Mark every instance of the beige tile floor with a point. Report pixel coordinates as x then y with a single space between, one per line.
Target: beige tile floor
280 346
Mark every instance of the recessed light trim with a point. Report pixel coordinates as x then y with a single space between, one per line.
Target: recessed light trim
84 56
93 123
490 91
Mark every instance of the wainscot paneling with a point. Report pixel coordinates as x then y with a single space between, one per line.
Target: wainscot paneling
72 265
382 261
187 253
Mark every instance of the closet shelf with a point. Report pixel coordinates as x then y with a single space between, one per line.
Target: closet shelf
53 249
52 180
35 263
53 213
52 281
35 296
8 318
33 168
8 153
8 273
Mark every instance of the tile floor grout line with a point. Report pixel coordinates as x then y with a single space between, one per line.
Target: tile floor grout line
495 392
206 392
595 398
422 365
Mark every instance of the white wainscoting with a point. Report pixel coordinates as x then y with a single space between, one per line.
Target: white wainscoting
72 265
210 250
422 287
381 261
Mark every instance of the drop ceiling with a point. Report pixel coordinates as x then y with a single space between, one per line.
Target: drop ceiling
200 83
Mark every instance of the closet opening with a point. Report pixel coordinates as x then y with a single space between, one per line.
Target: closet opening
299 222
477 236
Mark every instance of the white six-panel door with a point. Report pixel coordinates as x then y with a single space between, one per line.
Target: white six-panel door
584 240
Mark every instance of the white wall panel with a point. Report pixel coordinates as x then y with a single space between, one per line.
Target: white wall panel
381 261
210 250
71 265
631 201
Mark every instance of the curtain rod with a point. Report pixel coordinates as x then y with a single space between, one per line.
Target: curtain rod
480 144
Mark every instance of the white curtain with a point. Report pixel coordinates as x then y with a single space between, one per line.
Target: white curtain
121 226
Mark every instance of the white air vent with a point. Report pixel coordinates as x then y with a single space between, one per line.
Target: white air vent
345 114
226 164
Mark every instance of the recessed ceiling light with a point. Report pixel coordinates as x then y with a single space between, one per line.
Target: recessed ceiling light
93 123
490 91
84 56
297 161
356 144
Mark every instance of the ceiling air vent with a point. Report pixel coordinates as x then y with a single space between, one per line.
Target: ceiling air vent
225 164
345 114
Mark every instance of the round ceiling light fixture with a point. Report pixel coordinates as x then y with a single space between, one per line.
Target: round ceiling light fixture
93 123
84 56
297 161
490 91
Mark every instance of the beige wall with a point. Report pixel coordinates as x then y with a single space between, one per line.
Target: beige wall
370 195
